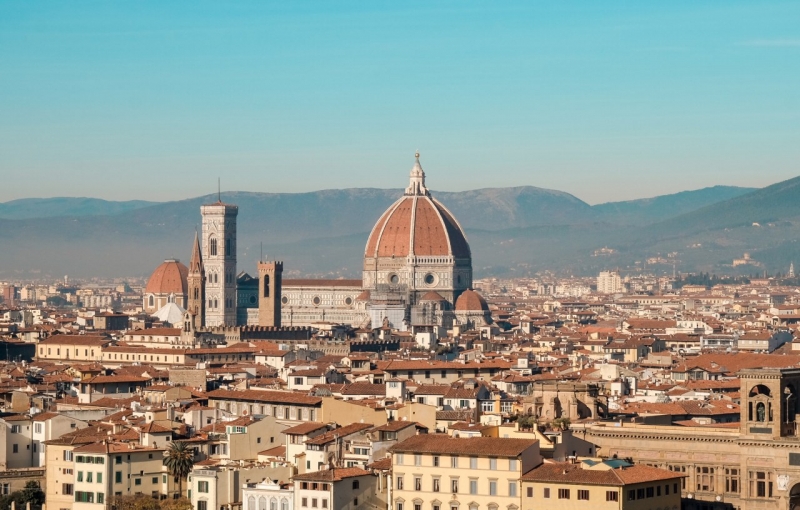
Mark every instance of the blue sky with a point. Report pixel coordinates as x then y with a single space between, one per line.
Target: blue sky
605 100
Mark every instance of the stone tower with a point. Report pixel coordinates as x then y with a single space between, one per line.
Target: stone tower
196 302
769 402
219 260
269 293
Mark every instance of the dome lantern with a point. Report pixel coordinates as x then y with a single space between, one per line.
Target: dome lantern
416 185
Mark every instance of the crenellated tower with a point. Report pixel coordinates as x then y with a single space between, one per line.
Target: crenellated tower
270 275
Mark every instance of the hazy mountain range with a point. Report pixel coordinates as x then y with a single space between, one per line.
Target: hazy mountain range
512 231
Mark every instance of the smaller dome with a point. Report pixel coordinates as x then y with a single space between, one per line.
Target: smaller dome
169 278
471 301
432 295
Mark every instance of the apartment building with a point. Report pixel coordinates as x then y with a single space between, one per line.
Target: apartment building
60 464
16 442
440 472
72 348
609 282
282 405
105 469
612 485
338 488
442 372
47 426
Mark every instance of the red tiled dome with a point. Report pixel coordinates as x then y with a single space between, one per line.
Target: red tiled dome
168 278
419 226
471 301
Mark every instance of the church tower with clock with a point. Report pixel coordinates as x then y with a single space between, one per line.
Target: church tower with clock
219 261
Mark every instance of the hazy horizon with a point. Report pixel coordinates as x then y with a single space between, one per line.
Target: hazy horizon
178 199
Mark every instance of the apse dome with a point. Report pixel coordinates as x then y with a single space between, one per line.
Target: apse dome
471 301
169 277
167 284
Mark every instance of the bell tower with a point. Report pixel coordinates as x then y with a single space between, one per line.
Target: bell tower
269 293
196 280
219 260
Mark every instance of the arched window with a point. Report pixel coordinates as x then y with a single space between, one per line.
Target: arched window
273 504
266 285
262 503
251 503
228 254
152 301
284 504
196 293
212 245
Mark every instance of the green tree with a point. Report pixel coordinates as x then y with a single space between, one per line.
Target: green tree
179 460
561 423
134 502
57 301
176 504
32 494
527 422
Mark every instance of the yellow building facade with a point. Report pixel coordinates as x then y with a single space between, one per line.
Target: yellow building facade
439 472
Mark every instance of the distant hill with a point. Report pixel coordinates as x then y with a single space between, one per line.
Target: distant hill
776 203
651 210
511 230
65 206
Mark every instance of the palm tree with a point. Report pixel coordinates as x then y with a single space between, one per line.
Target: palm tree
179 460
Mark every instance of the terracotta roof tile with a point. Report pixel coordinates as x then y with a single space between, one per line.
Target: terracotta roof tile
332 475
558 472
282 397
444 444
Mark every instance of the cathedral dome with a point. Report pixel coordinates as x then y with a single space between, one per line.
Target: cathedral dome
471 301
417 225
168 278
